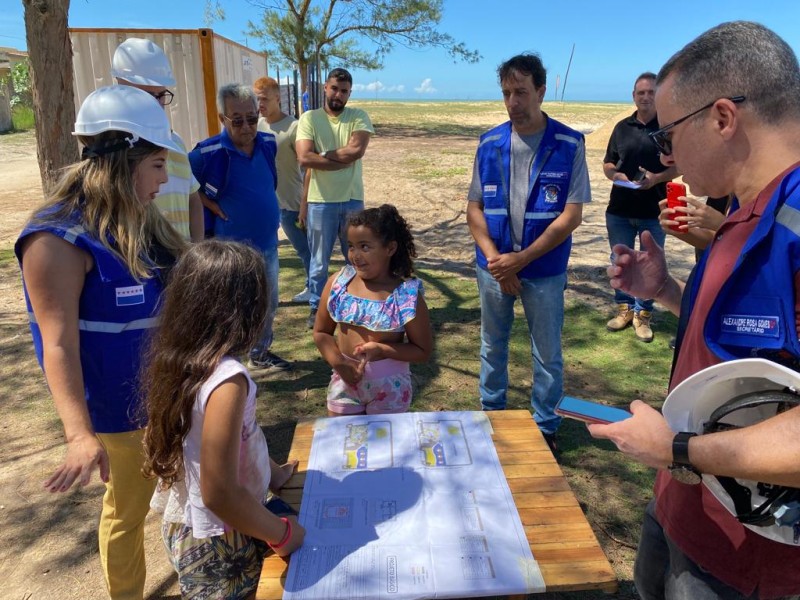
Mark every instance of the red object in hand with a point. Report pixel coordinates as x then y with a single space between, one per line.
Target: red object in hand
674 192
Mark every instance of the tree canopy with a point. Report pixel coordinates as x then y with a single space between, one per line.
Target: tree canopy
354 33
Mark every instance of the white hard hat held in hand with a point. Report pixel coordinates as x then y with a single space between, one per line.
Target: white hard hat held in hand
126 109
142 62
736 394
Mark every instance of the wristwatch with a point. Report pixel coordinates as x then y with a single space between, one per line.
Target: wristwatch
681 469
323 153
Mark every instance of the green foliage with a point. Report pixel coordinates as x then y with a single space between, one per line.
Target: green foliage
213 11
295 32
21 83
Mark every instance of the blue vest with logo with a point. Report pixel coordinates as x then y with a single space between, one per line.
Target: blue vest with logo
115 314
210 162
754 312
548 188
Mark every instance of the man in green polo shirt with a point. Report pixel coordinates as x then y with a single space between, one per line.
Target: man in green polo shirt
330 143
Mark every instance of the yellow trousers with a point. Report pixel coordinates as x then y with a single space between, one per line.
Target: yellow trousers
125 506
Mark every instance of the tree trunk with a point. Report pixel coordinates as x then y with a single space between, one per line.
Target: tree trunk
50 56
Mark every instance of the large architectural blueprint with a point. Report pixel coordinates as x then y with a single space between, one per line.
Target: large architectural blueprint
408 506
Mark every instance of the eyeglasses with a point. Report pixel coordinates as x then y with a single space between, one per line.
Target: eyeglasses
661 137
237 122
164 98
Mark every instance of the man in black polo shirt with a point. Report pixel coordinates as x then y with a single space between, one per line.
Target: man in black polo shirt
633 164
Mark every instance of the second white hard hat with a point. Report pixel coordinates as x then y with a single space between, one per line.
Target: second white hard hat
127 109
142 62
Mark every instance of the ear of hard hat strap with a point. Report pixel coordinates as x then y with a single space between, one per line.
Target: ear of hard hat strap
782 504
95 151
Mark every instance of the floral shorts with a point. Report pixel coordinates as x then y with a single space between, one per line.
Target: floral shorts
385 388
223 566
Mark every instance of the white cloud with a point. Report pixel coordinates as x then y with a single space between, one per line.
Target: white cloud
377 86
426 87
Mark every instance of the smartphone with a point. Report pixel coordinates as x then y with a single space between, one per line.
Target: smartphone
590 412
675 191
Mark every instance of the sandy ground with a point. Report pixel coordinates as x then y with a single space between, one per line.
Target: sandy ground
50 541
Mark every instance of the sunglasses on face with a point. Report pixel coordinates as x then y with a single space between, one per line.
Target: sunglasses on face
661 137
237 122
164 98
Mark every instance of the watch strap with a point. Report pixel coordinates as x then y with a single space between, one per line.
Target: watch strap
680 448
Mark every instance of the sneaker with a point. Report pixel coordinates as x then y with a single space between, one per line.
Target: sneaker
623 318
302 297
550 438
312 317
641 326
268 360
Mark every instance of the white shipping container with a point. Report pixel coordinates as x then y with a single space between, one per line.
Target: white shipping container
201 60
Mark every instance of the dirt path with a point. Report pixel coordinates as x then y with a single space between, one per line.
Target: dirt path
50 541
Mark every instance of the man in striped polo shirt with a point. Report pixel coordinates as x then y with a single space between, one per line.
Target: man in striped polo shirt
142 64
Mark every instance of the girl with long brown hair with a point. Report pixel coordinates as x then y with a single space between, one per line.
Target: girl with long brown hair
202 438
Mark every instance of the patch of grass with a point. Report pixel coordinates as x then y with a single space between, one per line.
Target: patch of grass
7 257
22 118
423 169
470 119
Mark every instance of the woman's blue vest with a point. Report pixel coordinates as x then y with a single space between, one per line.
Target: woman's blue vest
115 314
754 312
547 193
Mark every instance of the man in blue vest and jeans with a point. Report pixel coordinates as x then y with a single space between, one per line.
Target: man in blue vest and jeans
238 177
529 184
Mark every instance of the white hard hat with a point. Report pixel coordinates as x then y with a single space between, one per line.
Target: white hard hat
142 62
128 109
755 385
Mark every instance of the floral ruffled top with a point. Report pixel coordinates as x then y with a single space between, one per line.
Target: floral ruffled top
390 315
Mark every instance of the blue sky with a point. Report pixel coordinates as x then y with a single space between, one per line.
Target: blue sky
614 42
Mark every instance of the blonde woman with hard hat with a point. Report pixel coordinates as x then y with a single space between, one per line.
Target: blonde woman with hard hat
94 259
142 64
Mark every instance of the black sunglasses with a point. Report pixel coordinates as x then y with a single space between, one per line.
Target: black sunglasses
661 137
237 122
164 98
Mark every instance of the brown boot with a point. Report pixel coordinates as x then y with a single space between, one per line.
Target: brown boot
641 326
623 318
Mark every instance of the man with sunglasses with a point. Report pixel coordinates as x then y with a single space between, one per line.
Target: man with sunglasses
731 103
142 64
238 178
632 159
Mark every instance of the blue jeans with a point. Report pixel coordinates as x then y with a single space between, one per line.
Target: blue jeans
271 262
663 572
326 222
543 303
297 237
622 230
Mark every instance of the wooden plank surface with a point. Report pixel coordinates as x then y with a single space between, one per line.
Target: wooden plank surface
561 539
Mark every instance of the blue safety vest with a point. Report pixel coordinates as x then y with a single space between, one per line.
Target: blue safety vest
550 177
754 312
210 162
115 314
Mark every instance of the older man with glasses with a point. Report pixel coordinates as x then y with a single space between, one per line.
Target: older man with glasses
238 177
142 64
731 101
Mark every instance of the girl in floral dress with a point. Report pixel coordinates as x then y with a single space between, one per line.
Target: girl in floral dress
378 307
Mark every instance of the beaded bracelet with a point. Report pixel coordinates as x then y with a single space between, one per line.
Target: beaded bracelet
286 536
